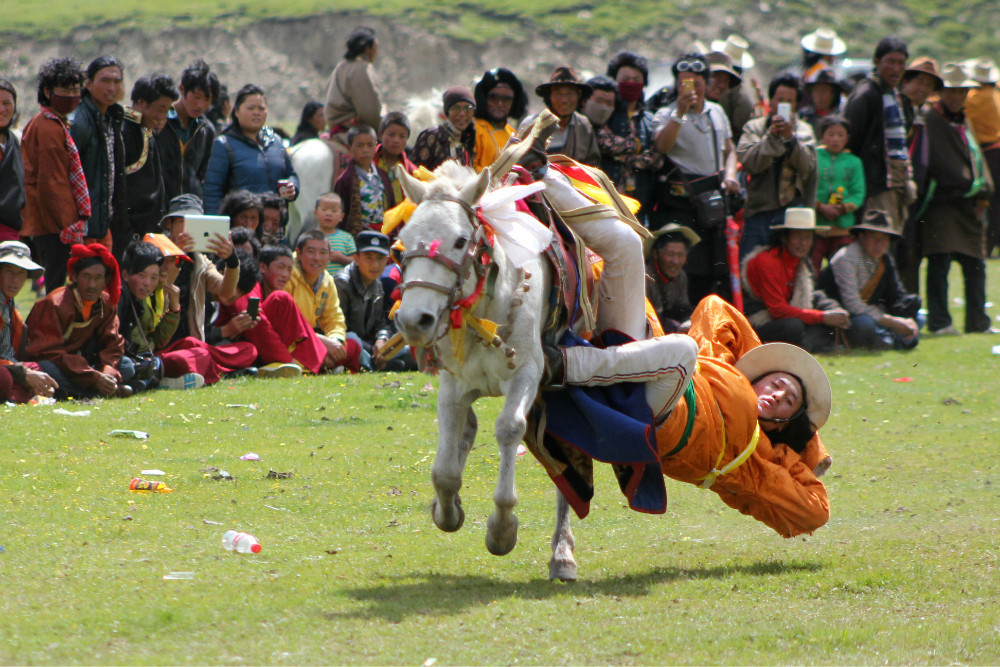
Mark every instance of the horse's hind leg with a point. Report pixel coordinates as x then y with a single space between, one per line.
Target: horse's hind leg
456 433
563 565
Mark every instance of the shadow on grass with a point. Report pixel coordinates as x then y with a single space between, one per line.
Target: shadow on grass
435 594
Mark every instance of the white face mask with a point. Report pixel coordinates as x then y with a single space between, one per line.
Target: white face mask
597 113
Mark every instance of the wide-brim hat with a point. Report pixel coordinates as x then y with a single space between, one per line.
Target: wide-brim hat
783 357
983 70
562 76
802 219
721 62
737 48
670 228
17 254
925 65
825 42
182 205
954 76
875 221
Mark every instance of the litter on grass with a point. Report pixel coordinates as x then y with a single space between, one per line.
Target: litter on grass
153 471
179 575
68 413
124 433
250 456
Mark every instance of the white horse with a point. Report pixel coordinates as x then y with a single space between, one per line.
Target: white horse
313 161
442 268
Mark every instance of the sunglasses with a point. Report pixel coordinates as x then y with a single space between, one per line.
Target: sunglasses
695 66
496 97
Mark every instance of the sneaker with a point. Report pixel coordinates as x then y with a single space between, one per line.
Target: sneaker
279 370
987 330
946 331
186 381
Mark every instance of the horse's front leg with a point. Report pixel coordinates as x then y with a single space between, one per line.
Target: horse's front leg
456 433
501 529
563 565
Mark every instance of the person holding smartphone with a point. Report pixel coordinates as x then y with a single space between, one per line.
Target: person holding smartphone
778 152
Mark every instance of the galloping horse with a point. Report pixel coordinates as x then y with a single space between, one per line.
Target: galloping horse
486 342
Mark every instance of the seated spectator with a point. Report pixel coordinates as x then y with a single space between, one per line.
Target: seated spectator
778 154
315 294
138 324
275 218
824 94
311 124
455 138
56 195
574 137
73 331
666 282
244 209
11 166
185 142
198 280
781 301
499 96
145 194
862 276
840 188
364 189
19 381
363 303
244 239
393 134
329 213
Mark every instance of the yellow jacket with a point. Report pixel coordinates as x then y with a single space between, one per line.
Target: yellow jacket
489 142
321 308
982 109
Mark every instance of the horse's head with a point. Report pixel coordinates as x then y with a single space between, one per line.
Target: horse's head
442 241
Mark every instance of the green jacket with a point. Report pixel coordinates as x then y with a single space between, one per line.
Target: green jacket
841 170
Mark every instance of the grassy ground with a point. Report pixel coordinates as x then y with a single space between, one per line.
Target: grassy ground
353 570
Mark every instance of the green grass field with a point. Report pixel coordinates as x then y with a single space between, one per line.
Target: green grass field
353 570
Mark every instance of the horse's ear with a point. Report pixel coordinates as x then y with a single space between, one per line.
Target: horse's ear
412 188
473 192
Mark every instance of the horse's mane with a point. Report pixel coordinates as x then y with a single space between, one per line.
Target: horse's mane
450 177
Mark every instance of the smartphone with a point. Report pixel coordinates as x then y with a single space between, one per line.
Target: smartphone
253 307
785 111
687 86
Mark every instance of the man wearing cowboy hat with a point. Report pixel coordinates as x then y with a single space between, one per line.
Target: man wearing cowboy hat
955 188
982 108
862 276
575 136
725 88
782 302
666 283
19 381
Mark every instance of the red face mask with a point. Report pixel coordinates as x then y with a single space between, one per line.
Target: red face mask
630 91
64 104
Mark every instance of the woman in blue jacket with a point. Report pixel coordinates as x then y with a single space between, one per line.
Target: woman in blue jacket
247 155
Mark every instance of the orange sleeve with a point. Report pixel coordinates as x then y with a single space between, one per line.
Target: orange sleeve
721 331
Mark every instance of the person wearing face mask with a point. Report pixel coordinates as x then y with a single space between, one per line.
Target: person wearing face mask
499 97
55 188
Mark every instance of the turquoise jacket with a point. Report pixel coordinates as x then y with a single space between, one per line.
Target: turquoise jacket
841 170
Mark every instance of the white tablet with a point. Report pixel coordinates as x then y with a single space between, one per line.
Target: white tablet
202 228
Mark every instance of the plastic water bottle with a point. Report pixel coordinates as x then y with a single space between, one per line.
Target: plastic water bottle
244 543
138 485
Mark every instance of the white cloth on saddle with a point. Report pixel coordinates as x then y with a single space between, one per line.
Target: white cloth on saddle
522 237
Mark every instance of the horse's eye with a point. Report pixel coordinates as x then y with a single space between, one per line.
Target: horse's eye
460 242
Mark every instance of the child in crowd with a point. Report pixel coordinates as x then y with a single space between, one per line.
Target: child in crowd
394 132
364 189
329 213
275 218
840 188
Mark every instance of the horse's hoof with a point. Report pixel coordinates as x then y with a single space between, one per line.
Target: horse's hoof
562 570
501 540
448 526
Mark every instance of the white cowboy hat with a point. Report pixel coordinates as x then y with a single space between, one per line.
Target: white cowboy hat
955 76
801 218
824 41
18 254
737 49
688 233
774 357
983 70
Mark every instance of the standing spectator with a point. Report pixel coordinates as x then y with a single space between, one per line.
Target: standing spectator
601 102
955 187
55 188
218 113
626 141
840 189
736 100
983 111
455 138
920 80
874 111
778 153
311 124
782 302
185 142
144 190
96 127
819 50
666 282
727 90
391 150
499 96
352 94
862 276
11 166
700 169
574 136
364 189
824 94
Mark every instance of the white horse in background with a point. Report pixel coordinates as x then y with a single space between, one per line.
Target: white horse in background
313 160
442 267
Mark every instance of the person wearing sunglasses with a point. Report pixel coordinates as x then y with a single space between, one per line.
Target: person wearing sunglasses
499 97
694 134
455 138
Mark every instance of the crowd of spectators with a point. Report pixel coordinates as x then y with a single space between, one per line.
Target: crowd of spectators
812 201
